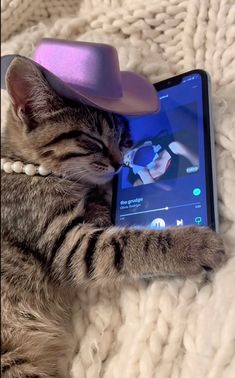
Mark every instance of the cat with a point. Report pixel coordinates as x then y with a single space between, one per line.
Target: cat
57 233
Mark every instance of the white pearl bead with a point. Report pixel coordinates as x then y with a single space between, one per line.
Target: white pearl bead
30 169
7 167
43 171
17 167
3 161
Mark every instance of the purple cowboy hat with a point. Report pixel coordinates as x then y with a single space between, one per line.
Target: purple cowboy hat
89 73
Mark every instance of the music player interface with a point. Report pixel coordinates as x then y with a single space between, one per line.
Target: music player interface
162 182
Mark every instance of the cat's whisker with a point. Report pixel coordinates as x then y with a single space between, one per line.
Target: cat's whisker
72 171
77 176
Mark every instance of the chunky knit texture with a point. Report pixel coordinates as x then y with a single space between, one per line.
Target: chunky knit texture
168 329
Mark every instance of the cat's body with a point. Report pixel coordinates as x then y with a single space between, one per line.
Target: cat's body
57 233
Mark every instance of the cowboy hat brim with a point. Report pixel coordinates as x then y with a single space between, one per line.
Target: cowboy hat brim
138 96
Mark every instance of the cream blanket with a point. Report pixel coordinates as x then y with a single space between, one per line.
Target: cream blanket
167 329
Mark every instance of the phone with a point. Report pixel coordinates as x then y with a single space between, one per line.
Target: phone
168 176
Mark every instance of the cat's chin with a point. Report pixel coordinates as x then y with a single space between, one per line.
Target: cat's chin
100 179
89 178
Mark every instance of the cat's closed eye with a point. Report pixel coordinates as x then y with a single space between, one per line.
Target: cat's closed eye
92 146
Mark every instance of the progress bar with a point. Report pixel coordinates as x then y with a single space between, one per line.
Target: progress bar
160 209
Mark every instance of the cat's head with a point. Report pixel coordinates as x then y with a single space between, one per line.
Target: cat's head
73 140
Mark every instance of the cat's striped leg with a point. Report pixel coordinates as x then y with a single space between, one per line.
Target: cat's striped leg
79 253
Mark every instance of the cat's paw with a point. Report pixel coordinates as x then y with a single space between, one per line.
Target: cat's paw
198 250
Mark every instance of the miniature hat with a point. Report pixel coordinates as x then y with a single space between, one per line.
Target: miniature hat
89 73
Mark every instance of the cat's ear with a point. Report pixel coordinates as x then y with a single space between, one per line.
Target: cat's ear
32 98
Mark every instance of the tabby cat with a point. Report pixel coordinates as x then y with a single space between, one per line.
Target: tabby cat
57 232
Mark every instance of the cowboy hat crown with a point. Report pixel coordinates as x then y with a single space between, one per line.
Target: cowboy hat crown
90 73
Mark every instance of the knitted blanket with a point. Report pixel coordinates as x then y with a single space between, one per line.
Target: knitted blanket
167 329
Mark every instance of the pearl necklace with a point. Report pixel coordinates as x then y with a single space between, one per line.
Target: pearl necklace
10 166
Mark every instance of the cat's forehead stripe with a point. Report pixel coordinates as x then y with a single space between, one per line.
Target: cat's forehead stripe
99 127
72 134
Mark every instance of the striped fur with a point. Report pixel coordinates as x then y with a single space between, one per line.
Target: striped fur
57 233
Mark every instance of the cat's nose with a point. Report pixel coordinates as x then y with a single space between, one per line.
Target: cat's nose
117 166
